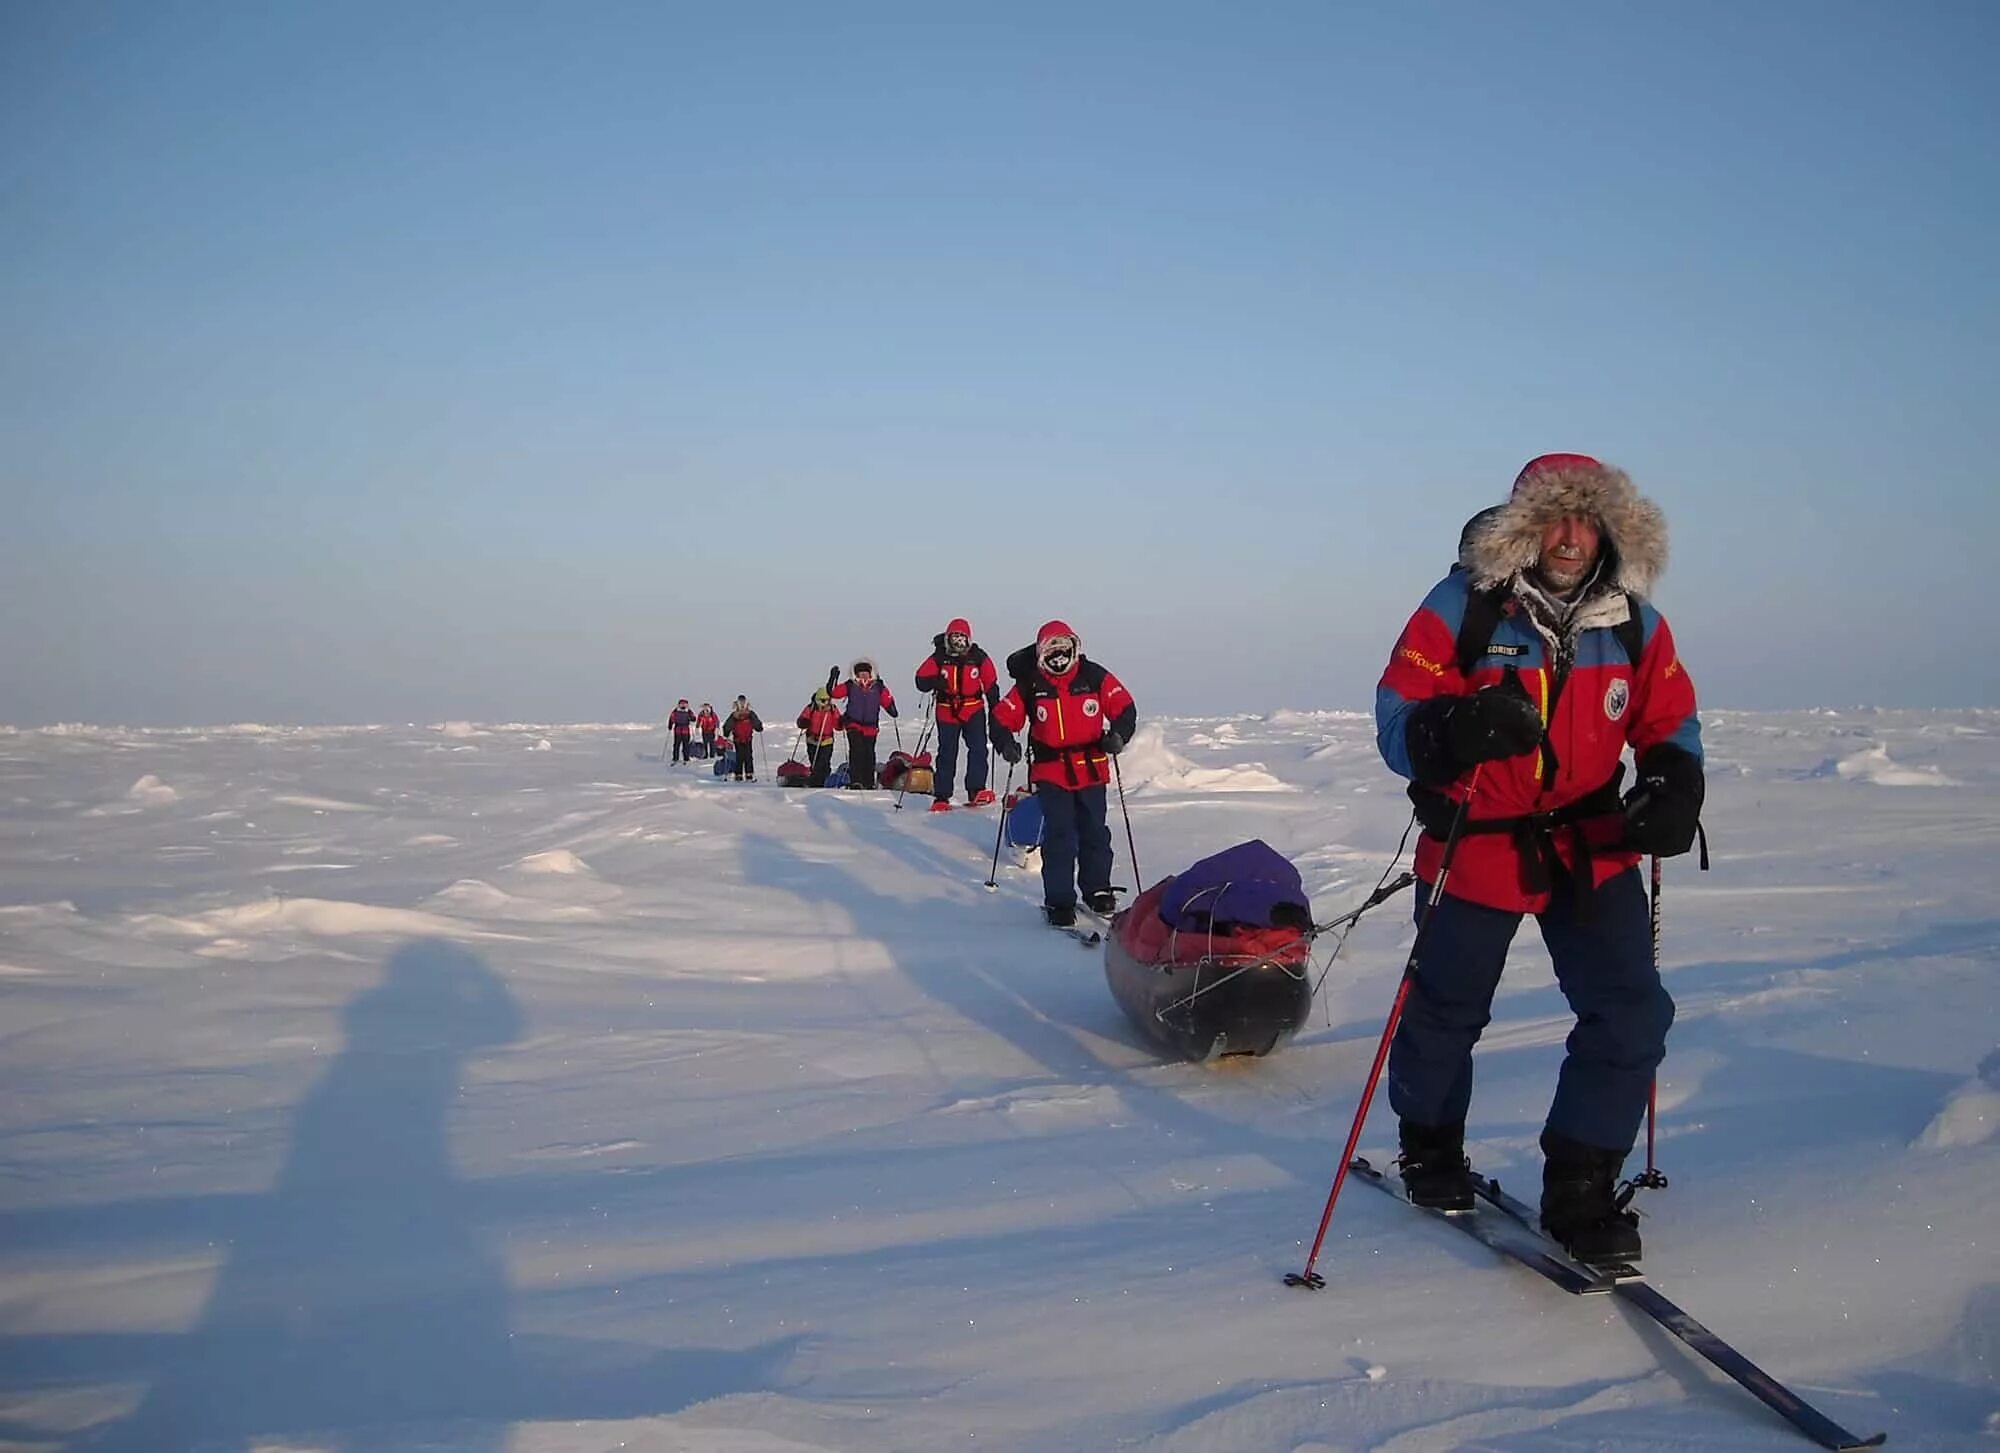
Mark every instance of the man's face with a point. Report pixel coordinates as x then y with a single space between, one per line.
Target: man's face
956 642
1569 552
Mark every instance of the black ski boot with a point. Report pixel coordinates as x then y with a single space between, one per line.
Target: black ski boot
1580 1207
1060 915
1435 1172
1103 900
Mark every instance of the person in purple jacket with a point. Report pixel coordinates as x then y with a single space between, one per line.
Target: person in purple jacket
863 698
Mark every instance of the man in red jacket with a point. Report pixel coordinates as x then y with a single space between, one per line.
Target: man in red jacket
1514 690
962 678
681 723
708 724
1078 717
742 728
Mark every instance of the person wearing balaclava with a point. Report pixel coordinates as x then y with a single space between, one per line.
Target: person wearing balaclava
1509 698
1078 716
961 678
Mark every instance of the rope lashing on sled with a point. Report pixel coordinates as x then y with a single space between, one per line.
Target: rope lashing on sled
1383 889
1239 964
1211 957
1298 975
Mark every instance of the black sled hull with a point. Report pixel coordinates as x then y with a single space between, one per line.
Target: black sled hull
1248 1011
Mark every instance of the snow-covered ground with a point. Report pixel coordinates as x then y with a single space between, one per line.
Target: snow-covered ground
464 1087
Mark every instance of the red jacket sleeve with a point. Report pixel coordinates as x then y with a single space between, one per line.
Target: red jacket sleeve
1010 713
1663 704
1423 665
1121 713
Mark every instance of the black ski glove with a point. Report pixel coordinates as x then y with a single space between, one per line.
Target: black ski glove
1449 734
1113 743
1006 746
1663 809
832 677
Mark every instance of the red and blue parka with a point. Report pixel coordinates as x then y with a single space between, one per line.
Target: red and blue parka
1553 811
1068 712
965 681
681 720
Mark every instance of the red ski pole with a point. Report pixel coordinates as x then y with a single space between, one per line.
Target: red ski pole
1308 1278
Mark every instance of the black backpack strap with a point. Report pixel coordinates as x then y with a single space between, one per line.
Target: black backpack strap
1483 609
1631 631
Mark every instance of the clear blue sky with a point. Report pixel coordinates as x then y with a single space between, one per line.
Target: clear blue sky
397 362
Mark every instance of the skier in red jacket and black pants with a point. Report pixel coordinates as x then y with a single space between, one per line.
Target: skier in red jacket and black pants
708 724
962 678
1078 717
820 722
681 722
742 728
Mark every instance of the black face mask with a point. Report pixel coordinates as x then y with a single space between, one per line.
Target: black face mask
957 644
1057 659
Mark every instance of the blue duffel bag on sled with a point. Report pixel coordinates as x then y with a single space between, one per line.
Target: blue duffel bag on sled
1024 818
726 763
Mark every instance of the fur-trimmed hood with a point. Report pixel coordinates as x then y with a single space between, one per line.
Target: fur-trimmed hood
1502 542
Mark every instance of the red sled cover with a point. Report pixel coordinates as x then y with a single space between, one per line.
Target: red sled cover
1150 939
793 774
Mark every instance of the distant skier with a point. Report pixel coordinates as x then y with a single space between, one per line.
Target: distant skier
1078 717
864 699
742 728
708 724
820 721
962 679
1564 665
681 722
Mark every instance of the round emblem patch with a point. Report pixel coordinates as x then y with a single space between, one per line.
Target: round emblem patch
1617 698
1090 707
1041 712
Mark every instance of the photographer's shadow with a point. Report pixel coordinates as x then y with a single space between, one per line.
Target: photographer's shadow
362 1293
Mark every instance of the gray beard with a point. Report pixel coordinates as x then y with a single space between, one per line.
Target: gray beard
1555 610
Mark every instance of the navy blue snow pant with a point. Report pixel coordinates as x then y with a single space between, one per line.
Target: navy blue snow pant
1604 966
945 771
681 748
1076 843
821 754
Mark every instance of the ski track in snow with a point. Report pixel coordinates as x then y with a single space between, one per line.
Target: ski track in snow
486 1087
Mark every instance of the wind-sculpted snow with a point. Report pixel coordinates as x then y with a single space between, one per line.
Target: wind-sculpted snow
1148 762
411 1087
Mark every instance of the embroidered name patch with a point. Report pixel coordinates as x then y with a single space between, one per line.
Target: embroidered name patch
1499 649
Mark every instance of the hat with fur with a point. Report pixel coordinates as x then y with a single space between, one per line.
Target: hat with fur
1503 542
